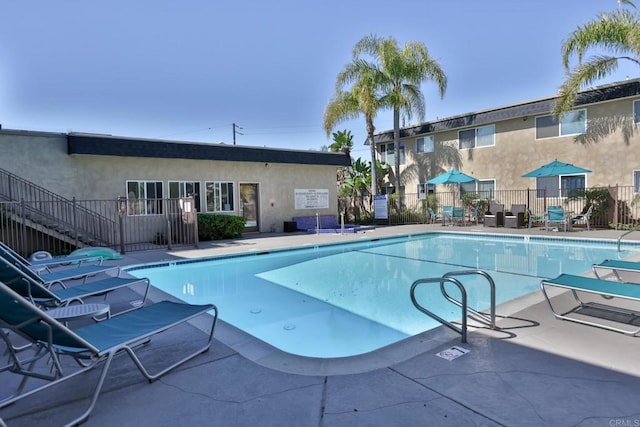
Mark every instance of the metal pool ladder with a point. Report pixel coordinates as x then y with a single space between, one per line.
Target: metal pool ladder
489 320
628 232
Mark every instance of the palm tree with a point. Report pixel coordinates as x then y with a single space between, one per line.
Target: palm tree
617 32
361 98
399 74
342 142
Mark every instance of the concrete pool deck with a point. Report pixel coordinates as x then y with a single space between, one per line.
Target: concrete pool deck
534 370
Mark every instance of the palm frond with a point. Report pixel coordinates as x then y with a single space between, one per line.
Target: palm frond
583 75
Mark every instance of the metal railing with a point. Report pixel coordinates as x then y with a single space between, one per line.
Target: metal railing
38 205
637 228
615 207
27 230
489 320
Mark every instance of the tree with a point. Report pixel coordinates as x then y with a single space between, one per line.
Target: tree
399 74
359 98
342 142
616 32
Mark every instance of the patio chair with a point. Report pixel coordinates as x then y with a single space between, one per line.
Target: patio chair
58 276
432 216
473 214
533 218
447 213
515 217
495 216
556 215
458 215
90 345
46 263
584 217
604 316
32 287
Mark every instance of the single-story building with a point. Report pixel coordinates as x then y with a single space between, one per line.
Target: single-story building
267 186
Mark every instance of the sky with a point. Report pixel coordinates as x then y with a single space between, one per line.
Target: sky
187 70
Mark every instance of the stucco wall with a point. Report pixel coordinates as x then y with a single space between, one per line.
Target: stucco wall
603 150
43 159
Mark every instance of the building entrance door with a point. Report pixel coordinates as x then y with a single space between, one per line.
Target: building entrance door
249 198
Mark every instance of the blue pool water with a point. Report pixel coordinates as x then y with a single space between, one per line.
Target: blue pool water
349 299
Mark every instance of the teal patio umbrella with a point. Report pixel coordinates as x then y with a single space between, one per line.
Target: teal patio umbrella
555 168
452 177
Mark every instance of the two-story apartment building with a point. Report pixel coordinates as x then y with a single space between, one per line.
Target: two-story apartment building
499 145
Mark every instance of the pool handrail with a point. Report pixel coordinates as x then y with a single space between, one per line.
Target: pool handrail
628 232
449 277
462 330
482 317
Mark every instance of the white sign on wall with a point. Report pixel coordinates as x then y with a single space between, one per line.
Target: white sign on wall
309 198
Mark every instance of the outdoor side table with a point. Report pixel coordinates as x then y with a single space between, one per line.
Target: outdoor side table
79 311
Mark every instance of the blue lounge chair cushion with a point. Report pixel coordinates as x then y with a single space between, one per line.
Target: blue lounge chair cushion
615 264
129 327
598 286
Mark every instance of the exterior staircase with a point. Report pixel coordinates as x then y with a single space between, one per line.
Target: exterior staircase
33 206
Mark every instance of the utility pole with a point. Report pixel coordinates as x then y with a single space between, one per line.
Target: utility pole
235 131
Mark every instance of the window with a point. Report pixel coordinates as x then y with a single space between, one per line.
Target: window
386 154
220 196
636 181
559 186
144 197
179 189
572 123
425 144
483 188
477 137
636 111
424 189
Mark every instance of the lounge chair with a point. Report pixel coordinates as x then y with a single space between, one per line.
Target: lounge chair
584 217
556 215
90 345
495 216
32 287
47 263
59 275
609 316
613 267
515 217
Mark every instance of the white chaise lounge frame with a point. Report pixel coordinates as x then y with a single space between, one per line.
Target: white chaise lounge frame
606 288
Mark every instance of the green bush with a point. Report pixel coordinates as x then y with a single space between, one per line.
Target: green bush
218 227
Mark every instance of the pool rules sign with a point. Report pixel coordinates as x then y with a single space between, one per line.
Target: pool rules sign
306 198
381 206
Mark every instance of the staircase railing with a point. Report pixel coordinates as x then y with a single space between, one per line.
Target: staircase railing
56 213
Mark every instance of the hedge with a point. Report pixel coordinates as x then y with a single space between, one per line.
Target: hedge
218 227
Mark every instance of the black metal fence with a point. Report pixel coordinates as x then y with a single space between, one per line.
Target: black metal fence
59 227
613 207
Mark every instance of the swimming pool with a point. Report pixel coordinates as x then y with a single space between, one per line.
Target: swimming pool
352 298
